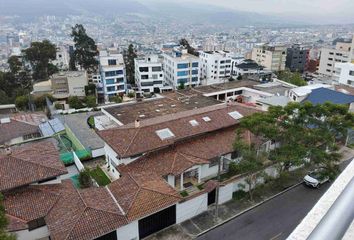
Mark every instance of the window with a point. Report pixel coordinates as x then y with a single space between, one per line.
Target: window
194 79
156 69
157 82
194 123
120 80
195 64
195 71
143 69
109 81
235 115
351 73
214 162
145 84
182 65
182 73
111 89
165 133
37 223
113 73
182 80
206 119
112 62
144 76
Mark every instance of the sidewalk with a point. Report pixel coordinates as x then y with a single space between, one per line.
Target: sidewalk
191 228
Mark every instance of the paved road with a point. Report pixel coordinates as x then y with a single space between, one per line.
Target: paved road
274 220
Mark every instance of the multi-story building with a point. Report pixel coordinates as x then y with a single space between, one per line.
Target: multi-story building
331 56
215 67
149 74
112 70
251 69
297 58
345 73
273 58
180 67
63 85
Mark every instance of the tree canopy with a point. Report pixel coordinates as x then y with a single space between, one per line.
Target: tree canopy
85 52
183 42
293 78
304 133
129 56
39 55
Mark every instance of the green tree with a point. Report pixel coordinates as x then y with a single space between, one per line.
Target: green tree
183 42
90 101
85 178
85 49
4 235
75 102
39 55
129 56
15 64
293 78
251 163
304 133
22 102
181 86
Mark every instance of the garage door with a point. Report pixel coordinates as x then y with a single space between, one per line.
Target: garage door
109 236
157 221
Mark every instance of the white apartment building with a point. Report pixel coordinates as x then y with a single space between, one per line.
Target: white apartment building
215 67
345 73
181 67
112 71
149 74
331 56
273 58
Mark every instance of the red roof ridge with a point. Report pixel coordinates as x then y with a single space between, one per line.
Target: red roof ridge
137 192
131 142
174 160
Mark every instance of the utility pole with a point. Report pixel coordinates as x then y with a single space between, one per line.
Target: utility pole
217 189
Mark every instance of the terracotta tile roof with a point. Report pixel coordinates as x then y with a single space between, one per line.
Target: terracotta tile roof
29 203
143 194
15 129
83 214
165 162
129 141
29 163
345 89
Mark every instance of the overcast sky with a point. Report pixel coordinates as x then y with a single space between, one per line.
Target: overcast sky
309 8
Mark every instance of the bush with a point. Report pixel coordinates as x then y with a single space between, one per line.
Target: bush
90 89
116 99
239 194
91 122
131 94
90 101
239 77
181 86
85 178
184 193
22 102
75 102
59 106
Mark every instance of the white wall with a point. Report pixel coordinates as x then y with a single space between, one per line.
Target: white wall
191 208
225 193
78 163
35 234
129 231
209 171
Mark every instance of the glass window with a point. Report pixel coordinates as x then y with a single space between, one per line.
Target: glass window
113 73
109 81
351 73
156 69
182 65
112 62
111 89
195 64
194 79
195 71
143 69
120 80
144 76
182 80
182 73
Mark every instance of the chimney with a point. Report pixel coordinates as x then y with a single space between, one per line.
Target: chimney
8 151
137 123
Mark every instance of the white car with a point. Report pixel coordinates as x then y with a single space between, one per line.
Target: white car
316 178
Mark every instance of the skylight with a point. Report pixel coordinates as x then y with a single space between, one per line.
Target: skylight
165 133
206 119
235 115
194 123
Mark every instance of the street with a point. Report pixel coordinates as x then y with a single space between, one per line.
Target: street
274 220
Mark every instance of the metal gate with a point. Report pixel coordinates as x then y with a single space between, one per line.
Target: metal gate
211 197
157 221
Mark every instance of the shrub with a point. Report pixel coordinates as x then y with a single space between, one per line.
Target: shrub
181 86
116 99
59 106
90 101
85 178
184 193
239 194
239 77
22 102
131 94
75 102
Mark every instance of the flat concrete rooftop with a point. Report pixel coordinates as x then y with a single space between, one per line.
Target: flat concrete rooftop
172 102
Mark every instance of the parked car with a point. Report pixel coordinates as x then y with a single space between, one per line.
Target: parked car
316 178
